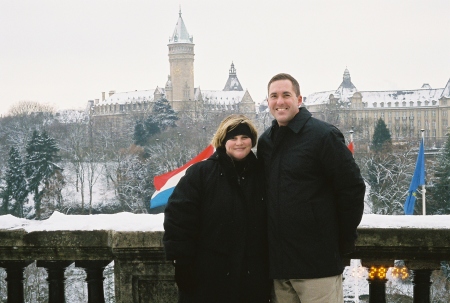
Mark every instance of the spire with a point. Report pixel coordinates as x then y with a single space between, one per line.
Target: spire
232 69
346 90
233 83
346 81
180 33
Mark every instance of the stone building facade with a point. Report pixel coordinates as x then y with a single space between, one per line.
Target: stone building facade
405 112
179 89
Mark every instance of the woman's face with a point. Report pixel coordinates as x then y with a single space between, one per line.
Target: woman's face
238 147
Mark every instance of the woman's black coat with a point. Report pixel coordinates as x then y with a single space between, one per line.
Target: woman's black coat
216 220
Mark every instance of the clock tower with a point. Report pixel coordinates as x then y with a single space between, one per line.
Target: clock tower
181 59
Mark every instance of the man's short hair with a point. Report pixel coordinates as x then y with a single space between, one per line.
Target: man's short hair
283 76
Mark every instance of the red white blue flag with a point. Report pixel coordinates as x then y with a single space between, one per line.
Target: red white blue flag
165 183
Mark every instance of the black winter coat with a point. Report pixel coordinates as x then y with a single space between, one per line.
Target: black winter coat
217 220
315 196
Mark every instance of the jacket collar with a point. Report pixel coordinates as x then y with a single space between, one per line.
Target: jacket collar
299 120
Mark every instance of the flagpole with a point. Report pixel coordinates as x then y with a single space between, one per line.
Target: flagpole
424 210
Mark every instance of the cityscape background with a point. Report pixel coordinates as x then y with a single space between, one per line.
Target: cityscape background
67 52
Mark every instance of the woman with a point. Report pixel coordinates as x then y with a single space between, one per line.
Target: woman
215 223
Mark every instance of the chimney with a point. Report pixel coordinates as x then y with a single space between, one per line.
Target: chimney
97 100
103 96
111 92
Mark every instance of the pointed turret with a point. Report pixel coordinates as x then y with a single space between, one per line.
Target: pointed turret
233 83
446 92
180 33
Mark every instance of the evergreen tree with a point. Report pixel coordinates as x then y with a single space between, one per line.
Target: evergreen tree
151 125
15 191
164 114
140 136
40 165
381 139
440 202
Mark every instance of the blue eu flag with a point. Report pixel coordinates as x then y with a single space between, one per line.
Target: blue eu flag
417 180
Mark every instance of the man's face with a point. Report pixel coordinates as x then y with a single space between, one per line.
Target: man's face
283 102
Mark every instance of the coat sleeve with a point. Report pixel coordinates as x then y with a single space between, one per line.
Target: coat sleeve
182 217
348 186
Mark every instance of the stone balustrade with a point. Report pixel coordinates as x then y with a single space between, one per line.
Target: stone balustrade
143 275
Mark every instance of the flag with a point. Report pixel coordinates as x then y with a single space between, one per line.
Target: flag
165 183
417 180
351 147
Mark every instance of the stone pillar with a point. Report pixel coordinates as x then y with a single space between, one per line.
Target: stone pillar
14 279
141 272
94 271
55 270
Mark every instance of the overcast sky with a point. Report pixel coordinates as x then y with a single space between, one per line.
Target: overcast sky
65 53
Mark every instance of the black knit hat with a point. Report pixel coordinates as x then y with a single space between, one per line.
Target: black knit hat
240 129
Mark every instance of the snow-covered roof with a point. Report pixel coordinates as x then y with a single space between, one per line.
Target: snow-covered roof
319 98
128 97
146 222
373 99
222 97
400 96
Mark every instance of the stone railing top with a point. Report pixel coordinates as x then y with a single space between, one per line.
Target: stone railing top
147 222
59 222
421 240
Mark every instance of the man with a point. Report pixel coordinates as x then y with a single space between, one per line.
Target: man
315 199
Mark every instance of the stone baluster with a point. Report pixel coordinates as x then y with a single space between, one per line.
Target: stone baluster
94 271
55 270
422 283
14 279
377 281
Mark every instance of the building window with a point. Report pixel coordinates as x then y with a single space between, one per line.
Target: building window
404 103
411 103
389 104
396 104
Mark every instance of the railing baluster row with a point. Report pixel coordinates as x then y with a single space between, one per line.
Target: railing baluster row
55 279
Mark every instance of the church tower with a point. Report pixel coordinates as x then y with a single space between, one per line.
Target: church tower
181 59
